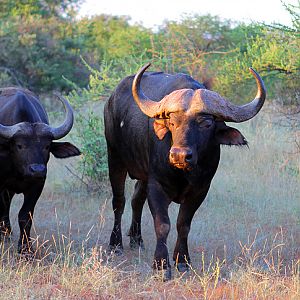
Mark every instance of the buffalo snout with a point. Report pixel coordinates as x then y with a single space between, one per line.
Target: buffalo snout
181 157
37 170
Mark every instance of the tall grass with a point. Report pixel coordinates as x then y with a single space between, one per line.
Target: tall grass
244 241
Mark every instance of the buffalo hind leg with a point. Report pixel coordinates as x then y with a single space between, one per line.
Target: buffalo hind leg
186 213
117 176
26 216
137 204
5 201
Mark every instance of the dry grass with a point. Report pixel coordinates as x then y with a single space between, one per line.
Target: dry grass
244 242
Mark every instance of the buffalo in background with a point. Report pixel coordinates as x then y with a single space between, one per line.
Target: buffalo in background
165 131
26 141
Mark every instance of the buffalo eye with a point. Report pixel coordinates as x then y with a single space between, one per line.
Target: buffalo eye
171 124
19 146
204 123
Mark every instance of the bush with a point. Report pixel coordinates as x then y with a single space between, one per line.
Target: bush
89 130
90 135
89 103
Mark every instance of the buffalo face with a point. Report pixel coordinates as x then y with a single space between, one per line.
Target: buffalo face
30 150
193 135
30 154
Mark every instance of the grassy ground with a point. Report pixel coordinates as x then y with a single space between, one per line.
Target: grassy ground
244 242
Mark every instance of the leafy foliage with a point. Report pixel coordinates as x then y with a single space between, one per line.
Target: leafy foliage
37 44
90 128
190 45
41 43
45 9
90 134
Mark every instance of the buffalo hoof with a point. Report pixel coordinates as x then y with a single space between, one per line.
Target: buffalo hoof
27 256
26 253
116 250
25 247
136 243
164 275
182 267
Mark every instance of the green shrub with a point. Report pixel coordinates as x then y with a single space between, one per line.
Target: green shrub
89 103
90 134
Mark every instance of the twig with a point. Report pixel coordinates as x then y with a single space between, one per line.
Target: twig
80 179
279 70
12 74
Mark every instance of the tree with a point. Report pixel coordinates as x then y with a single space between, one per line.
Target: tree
38 44
43 8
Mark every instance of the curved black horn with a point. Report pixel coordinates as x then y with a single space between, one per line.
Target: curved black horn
249 110
146 105
7 132
65 128
227 111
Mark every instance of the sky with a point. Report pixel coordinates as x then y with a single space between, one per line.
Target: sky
152 13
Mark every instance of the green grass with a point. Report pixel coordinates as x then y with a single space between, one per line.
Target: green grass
244 241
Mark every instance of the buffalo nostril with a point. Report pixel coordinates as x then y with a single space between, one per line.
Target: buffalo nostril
38 168
188 157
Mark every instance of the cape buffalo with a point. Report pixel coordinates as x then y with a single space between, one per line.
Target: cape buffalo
165 131
26 140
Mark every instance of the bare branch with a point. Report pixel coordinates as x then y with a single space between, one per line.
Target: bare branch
75 175
12 74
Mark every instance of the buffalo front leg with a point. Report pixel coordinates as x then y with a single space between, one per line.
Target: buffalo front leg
186 213
159 204
26 215
117 176
137 204
5 201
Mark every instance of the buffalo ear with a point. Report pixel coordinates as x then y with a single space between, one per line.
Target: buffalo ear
64 149
226 135
160 128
